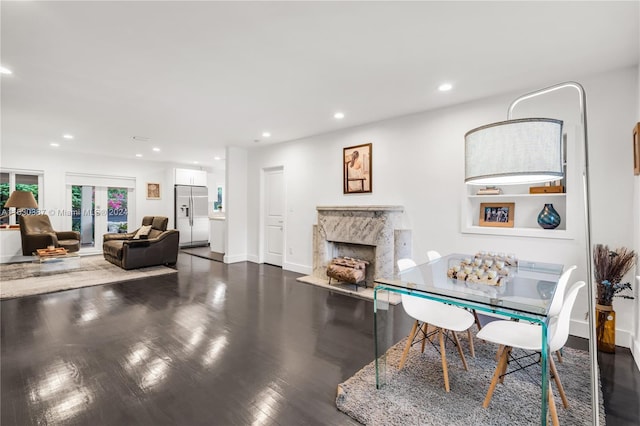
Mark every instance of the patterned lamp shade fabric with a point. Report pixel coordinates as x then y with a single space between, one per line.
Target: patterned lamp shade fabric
514 152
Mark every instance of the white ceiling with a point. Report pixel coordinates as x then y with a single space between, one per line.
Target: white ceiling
194 77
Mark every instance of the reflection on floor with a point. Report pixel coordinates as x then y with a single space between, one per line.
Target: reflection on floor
214 344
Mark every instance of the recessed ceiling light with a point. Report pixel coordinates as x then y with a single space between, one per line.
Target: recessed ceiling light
138 155
445 87
54 144
67 136
195 162
4 70
216 158
338 115
266 134
156 149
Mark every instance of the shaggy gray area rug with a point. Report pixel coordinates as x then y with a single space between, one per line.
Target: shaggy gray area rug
415 395
21 279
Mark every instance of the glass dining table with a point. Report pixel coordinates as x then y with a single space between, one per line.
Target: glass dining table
524 294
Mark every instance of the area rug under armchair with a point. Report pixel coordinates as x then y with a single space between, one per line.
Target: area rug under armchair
415 395
20 279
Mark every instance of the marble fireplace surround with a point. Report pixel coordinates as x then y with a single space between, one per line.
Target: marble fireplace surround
373 231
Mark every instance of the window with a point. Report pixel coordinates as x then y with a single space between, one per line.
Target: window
17 181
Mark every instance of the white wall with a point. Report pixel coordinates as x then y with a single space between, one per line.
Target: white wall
235 200
418 163
55 164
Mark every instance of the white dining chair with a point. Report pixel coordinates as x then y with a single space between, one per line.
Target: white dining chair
527 336
439 315
556 303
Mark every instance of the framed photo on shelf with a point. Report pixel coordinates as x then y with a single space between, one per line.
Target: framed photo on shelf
153 191
636 150
356 167
497 214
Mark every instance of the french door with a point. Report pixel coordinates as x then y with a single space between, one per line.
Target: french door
98 208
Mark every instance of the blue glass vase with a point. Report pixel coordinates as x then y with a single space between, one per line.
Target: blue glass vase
548 218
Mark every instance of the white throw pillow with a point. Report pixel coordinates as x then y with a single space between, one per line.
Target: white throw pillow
142 232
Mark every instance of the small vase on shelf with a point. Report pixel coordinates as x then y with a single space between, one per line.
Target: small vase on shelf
548 218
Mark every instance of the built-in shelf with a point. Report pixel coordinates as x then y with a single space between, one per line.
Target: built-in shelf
561 234
507 196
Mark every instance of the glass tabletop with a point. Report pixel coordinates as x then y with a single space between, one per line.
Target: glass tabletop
528 287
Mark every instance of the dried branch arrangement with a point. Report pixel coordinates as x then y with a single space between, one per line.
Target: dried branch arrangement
610 267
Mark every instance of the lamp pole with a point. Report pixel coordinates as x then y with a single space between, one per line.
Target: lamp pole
593 348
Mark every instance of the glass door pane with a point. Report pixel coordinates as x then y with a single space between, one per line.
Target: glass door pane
83 213
117 212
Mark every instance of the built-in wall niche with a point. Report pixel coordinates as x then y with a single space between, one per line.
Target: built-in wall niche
527 205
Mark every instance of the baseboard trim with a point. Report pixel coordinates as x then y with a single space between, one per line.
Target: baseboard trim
253 258
635 351
295 267
235 258
580 328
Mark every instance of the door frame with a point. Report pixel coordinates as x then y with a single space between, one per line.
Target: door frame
263 207
101 184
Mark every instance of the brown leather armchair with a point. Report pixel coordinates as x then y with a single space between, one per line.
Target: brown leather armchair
36 232
160 247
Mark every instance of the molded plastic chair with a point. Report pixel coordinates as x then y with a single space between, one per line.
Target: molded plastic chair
528 336
441 316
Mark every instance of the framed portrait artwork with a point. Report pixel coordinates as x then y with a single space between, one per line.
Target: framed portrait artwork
636 150
497 214
153 191
356 167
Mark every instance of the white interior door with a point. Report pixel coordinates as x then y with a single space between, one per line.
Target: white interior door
273 216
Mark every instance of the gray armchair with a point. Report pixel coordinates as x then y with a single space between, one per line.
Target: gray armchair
160 247
36 232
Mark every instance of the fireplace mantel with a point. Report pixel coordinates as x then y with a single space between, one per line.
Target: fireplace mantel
361 208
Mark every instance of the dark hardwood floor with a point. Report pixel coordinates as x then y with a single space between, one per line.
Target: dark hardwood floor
215 344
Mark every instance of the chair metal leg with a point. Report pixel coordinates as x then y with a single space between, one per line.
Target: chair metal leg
471 348
476 319
425 331
556 378
464 360
443 355
496 375
412 335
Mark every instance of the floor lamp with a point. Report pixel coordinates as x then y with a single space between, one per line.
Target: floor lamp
526 151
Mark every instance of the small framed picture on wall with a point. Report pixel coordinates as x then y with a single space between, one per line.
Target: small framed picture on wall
356 166
153 191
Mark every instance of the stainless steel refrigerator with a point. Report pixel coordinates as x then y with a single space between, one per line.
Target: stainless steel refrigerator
192 215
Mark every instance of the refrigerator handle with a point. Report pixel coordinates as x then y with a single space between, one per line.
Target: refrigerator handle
191 211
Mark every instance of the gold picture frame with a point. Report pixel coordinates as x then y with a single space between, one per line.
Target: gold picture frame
153 191
499 215
356 169
636 150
